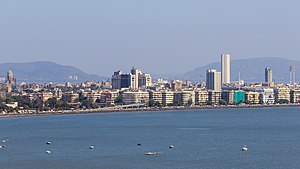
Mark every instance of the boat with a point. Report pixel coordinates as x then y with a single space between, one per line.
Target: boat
153 153
91 147
2 146
245 148
171 146
48 143
48 152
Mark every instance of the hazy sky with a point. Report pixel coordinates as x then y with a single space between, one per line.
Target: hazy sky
158 36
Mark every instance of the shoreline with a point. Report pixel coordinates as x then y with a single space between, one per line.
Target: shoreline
146 109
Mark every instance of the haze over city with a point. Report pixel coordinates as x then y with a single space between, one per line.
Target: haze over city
168 36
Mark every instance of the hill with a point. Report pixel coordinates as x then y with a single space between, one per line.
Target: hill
45 72
252 70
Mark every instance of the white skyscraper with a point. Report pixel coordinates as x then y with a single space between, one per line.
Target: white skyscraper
225 66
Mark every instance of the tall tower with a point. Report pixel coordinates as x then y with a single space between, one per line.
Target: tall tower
268 75
293 74
213 80
10 81
225 66
134 78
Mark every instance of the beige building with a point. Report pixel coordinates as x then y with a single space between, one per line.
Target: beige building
282 93
135 97
167 98
201 97
46 95
70 97
214 96
251 97
188 98
225 66
156 96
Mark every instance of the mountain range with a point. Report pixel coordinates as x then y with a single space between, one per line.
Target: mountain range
45 72
252 70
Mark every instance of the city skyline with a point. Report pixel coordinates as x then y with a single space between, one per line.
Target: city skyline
118 34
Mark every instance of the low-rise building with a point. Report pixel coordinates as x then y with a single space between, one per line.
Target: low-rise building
251 97
139 97
214 96
228 96
167 98
201 97
266 96
295 96
282 94
156 96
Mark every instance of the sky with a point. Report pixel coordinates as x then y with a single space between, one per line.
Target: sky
157 36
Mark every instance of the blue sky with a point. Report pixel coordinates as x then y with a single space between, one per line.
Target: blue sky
158 36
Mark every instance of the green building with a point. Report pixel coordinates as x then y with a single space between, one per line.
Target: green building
239 97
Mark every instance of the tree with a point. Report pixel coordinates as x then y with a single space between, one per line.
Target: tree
51 102
119 99
222 102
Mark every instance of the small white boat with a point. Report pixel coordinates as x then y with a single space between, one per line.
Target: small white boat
2 146
48 152
92 147
153 153
48 143
245 148
3 141
171 146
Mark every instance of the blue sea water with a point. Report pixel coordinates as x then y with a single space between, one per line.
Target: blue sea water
204 139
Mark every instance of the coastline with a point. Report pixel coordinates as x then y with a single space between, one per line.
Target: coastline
145 109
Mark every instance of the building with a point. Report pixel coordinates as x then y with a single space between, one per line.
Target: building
46 95
188 98
266 96
251 97
214 97
268 75
213 80
139 97
167 98
120 80
201 97
11 81
145 80
295 96
292 69
156 96
282 95
225 66
239 97
134 80
176 85
70 97
228 96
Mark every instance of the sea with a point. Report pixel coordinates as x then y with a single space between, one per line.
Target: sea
202 139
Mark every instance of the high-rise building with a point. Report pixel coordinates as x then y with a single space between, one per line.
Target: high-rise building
11 81
293 74
225 66
120 80
135 78
213 80
268 75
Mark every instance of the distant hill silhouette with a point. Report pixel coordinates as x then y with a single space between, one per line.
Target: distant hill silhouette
45 72
252 70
